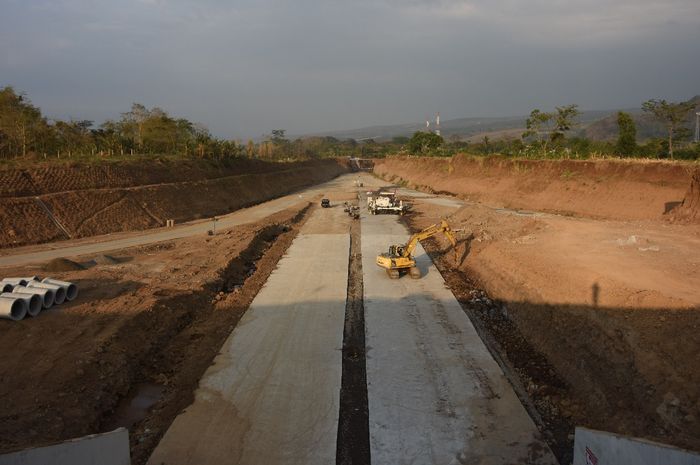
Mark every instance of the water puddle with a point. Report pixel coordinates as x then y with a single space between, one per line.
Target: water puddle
134 407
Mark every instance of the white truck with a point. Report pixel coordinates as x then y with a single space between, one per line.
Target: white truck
385 202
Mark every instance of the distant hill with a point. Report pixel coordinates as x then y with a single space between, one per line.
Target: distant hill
464 128
595 125
647 127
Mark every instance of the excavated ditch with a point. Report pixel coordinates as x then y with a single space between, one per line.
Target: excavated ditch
353 425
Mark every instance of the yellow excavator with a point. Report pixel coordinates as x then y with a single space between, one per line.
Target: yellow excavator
400 257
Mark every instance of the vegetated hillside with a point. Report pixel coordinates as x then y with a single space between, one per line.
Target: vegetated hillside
98 199
647 126
462 127
629 190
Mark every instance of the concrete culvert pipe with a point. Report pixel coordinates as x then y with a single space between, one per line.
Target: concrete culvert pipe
12 307
6 287
34 301
59 292
71 289
15 281
47 295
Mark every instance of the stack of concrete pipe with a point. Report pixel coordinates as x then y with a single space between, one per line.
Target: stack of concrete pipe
20 297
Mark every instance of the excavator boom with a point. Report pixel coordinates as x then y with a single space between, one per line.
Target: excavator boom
430 231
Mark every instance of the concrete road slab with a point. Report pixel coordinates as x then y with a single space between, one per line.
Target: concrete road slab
110 448
272 395
436 396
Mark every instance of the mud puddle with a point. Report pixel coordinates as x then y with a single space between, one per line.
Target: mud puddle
134 407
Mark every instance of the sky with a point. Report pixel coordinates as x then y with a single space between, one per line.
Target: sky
245 67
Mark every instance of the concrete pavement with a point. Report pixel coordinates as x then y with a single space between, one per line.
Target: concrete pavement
436 396
272 395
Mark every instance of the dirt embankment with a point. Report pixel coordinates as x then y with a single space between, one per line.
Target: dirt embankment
599 319
626 190
133 346
59 202
689 210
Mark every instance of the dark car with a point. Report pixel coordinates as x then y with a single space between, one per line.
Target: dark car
325 203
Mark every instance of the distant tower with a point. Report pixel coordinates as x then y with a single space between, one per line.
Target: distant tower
437 124
697 127
427 124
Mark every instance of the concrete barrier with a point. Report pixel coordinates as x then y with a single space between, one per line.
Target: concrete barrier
593 447
98 449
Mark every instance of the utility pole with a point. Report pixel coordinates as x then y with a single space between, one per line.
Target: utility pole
697 127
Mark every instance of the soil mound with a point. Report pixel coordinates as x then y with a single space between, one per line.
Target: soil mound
689 210
106 260
62 264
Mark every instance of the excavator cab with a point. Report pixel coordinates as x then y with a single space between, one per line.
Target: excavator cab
396 250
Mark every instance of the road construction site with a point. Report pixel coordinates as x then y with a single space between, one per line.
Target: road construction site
277 339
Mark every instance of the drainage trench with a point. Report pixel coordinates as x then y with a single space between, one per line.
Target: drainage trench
353 424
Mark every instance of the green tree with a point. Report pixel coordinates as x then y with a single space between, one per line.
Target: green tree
20 122
277 137
564 121
423 142
536 125
627 135
673 115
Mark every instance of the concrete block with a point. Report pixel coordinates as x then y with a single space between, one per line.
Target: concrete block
97 449
593 447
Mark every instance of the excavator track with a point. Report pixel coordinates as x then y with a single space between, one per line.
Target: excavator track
393 274
414 272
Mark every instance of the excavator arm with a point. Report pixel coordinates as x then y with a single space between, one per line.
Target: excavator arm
430 231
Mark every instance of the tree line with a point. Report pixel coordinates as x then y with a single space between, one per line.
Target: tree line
26 134
551 135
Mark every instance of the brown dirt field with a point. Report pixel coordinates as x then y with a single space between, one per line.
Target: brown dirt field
599 319
94 200
150 320
606 189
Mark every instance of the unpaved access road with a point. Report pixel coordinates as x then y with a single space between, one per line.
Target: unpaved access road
272 395
101 244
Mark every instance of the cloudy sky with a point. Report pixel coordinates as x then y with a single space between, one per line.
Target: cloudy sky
245 67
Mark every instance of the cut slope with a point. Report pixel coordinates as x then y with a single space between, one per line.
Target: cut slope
689 209
93 200
629 190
